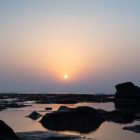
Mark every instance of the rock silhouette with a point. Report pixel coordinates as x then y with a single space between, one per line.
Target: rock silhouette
81 119
127 96
84 119
63 108
48 108
127 90
120 116
6 132
34 115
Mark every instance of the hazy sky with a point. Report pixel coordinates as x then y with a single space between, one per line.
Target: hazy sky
96 43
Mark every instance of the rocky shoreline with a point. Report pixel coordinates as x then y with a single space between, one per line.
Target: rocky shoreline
82 119
50 99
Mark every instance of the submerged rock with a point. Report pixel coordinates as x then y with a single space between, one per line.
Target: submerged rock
6 132
34 115
135 128
81 119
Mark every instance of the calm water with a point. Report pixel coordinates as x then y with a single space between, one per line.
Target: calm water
107 131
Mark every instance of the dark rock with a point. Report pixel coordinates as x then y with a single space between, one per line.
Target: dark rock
121 116
81 119
118 116
15 105
7 133
6 105
127 103
127 90
84 119
137 116
73 98
135 128
48 108
102 112
34 115
58 98
2 108
63 108
127 96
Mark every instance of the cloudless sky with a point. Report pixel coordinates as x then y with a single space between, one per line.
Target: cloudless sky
96 43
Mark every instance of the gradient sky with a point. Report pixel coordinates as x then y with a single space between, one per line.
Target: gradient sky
95 42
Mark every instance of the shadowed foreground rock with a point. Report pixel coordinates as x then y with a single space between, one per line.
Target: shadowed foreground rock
34 115
7 133
81 119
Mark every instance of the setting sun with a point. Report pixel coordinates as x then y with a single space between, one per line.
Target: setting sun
65 77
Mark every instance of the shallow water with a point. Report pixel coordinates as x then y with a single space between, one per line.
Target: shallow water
15 118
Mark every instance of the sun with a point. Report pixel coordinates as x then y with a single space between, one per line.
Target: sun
65 77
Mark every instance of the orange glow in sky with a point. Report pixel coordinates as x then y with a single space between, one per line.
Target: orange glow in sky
69 45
